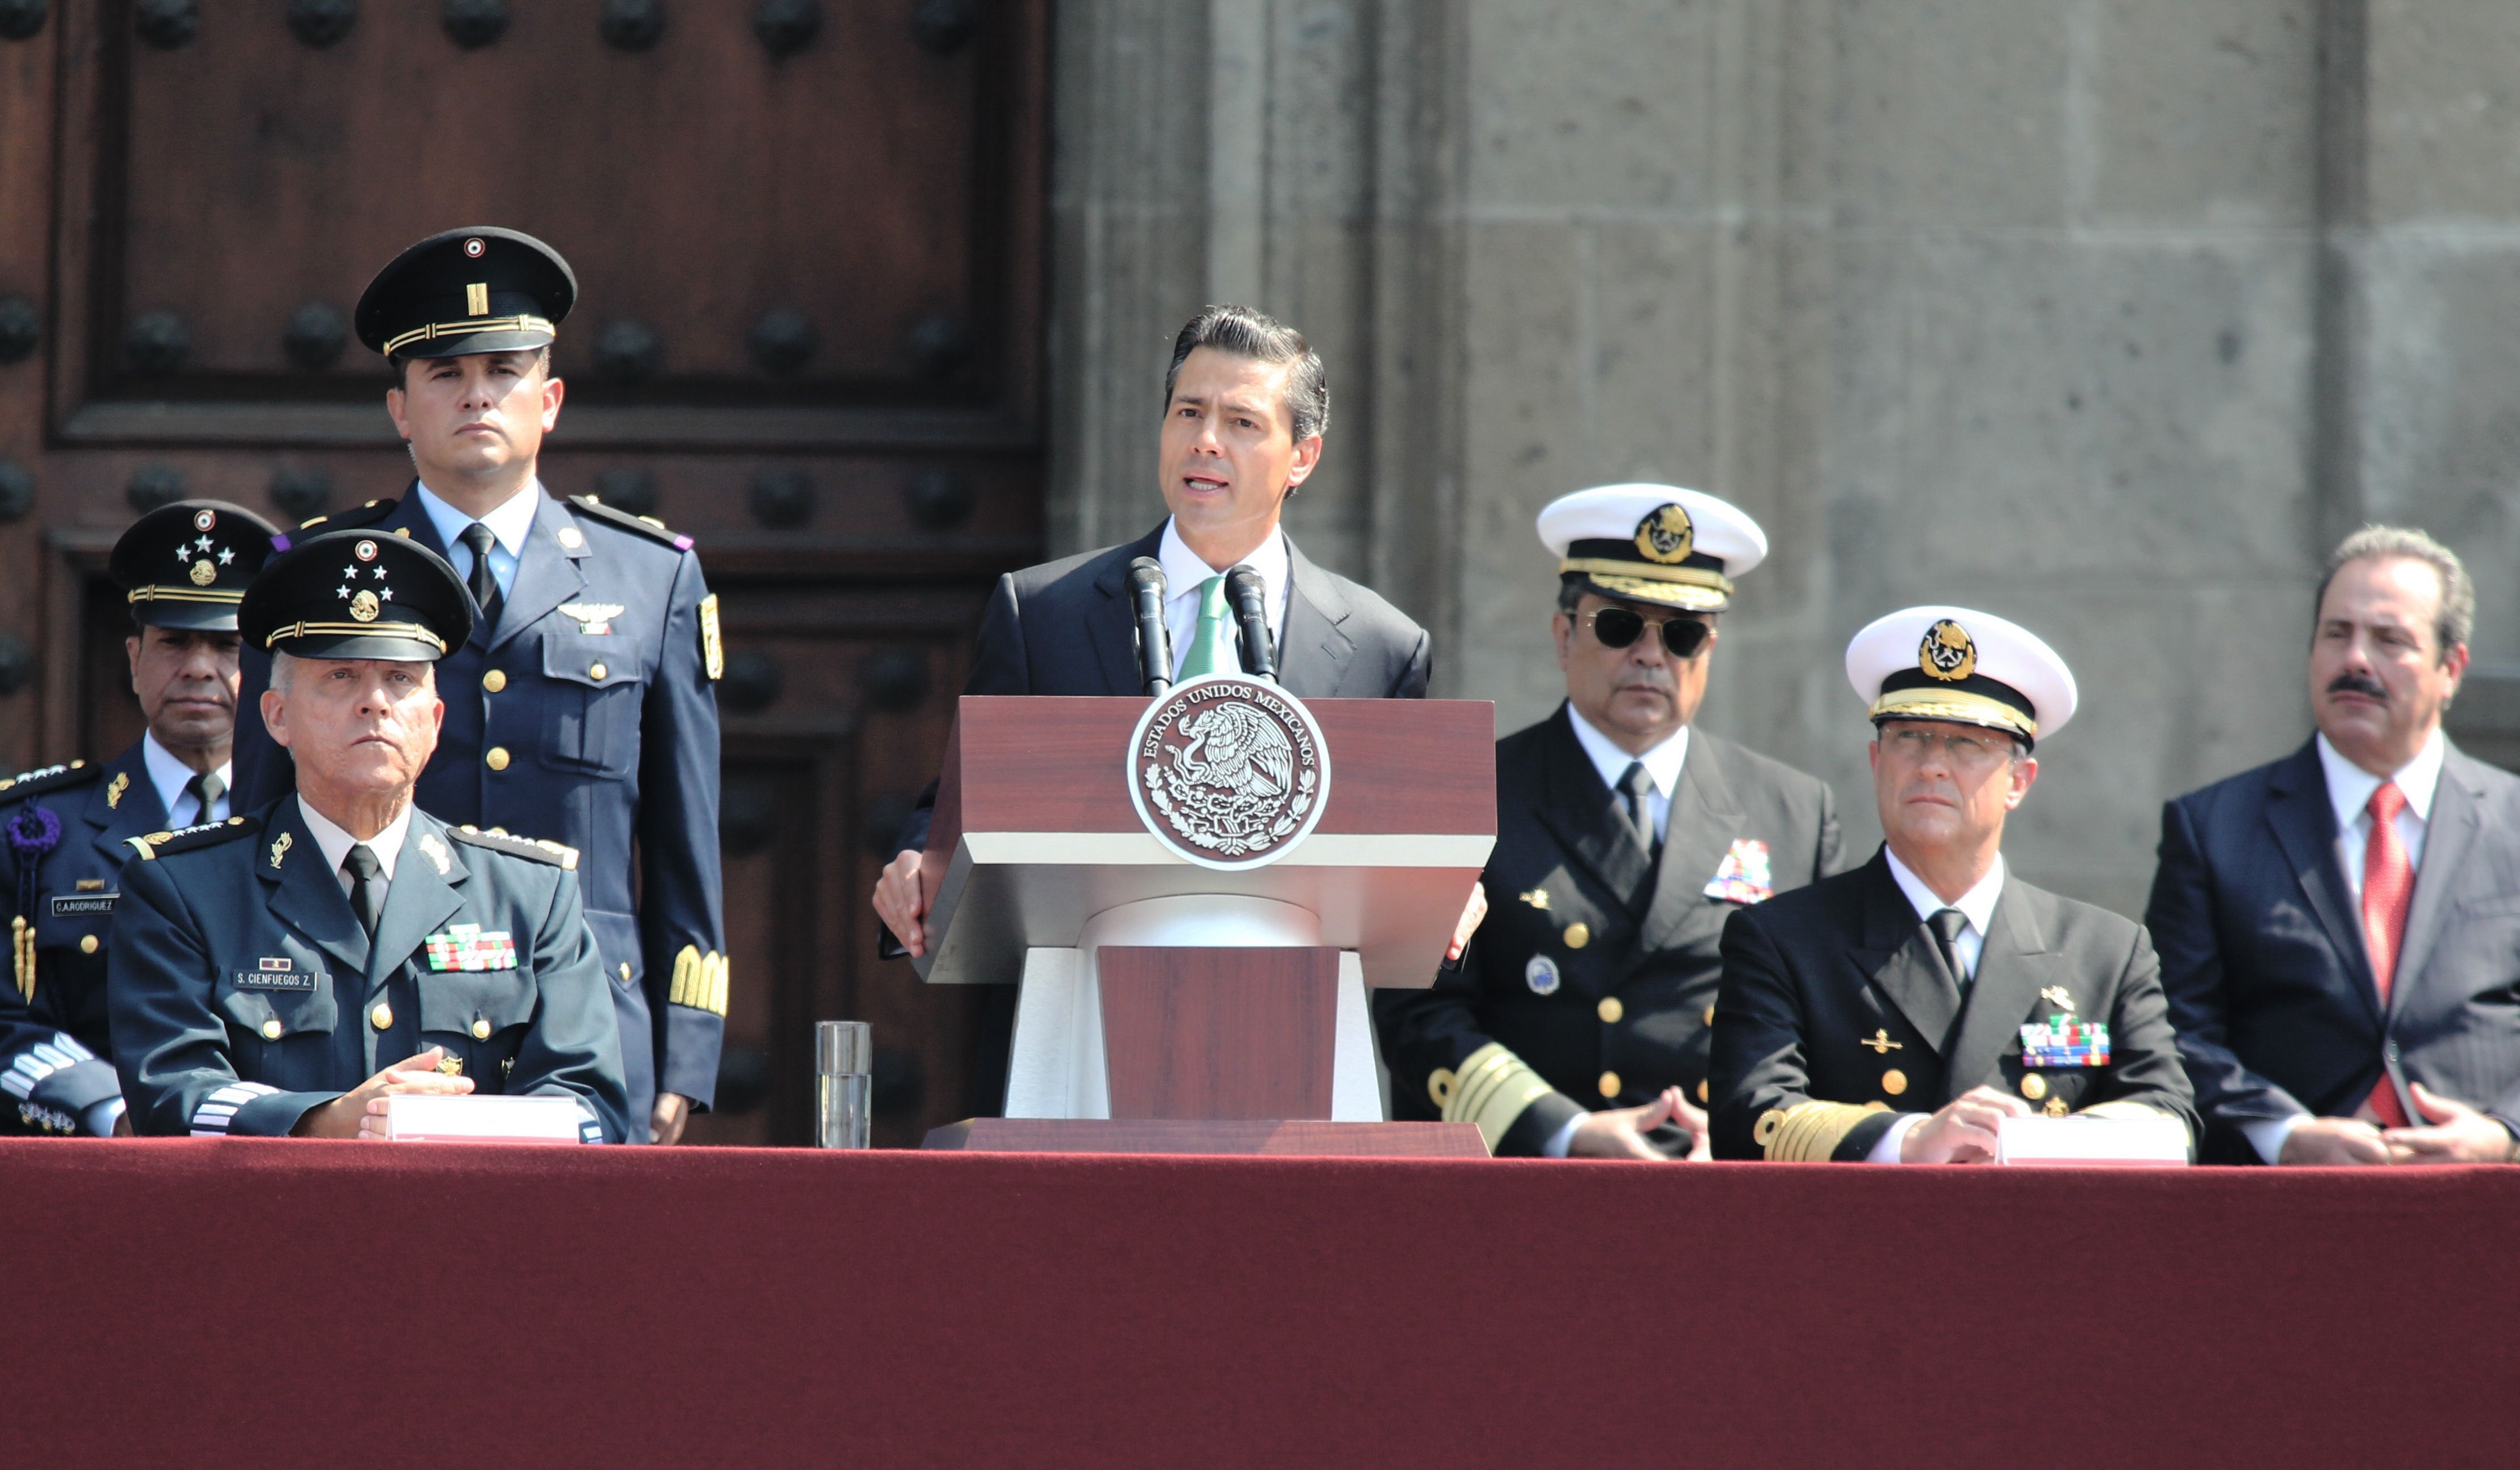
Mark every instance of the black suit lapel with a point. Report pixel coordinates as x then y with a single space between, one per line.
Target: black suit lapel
547 573
2013 966
1112 625
304 892
2304 823
2449 834
1588 818
1313 653
115 817
1898 956
421 897
1703 825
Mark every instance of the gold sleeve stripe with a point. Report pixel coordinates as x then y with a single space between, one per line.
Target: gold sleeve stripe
700 980
1491 1089
1809 1132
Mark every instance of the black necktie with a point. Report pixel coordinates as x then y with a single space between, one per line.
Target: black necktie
367 886
206 788
485 587
1947 924
1636 787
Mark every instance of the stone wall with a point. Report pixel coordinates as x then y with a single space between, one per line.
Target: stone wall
2104 315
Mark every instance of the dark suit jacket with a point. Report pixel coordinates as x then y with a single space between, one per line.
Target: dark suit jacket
1564 857
2261 952
1809 975
1066 628
620 764
98 808
245 993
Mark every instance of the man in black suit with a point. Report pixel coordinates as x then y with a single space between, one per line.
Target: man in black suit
1245 404
1577 1022
1930 974
2340 930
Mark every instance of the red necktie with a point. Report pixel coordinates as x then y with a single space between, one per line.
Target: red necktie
2388 882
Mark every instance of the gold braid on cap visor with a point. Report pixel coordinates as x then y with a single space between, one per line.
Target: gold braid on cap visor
1696 588
184 595
1958 705
467 327
411 631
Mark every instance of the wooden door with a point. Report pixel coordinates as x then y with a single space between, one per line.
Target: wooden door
808 242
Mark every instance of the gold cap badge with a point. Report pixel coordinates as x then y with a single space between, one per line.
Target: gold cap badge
1666 536
1947 653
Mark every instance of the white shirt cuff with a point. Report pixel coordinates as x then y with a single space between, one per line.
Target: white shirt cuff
1885 1149
1564 1139
2267 1136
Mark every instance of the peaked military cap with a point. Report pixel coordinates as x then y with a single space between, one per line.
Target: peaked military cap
357 594
187 564
1652 544
1969 668
475 289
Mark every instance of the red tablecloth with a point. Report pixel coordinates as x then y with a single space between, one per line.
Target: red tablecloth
274 1304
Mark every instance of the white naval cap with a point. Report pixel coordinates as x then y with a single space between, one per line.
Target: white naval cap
1971 668
1653 543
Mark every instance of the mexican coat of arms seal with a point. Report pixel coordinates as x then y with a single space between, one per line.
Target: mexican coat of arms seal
1228 771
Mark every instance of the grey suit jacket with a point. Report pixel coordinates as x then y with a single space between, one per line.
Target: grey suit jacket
2268 982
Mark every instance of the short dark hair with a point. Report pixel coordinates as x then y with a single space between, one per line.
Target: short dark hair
1255 335
2457 618
401 362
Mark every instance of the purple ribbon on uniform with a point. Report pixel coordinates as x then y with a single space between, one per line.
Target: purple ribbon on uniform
32 833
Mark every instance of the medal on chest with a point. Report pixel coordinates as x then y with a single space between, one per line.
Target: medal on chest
466 948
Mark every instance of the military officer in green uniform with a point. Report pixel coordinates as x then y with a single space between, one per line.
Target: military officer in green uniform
182 568
1900 1012
284 973
1576 1022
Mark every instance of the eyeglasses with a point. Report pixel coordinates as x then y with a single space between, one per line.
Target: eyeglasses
1618 627
1962 750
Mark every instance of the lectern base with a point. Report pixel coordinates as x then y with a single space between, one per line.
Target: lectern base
1374 1141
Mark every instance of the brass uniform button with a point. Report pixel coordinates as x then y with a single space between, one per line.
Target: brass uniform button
480 1031
1609 1083
1578 935
1710 1015
497 759
382 1017
1611 1010
271 1029
1701 1090
87 943
2033 1086
596 671
625 969
494 681
1894 1081
2056 1107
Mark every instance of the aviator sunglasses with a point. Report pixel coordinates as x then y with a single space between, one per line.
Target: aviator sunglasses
1618 627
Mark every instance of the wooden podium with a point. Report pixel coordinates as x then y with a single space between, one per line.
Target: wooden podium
1173 1001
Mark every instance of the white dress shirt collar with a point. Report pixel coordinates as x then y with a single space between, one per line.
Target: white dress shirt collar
169 777
336 842
1183 571
2350 787
1662 762
1978 903
510 522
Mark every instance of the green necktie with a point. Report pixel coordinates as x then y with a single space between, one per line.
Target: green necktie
1211 643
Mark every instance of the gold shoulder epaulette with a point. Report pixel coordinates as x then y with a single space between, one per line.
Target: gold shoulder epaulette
27 784
497 842
351 520
184 839
1809 1132
643 525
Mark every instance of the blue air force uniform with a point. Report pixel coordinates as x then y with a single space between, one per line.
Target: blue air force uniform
585 712
247 984
64 831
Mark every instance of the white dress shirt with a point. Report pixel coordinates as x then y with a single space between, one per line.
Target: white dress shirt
170 777
1978 906
1183 571
336 843
2349 792
1662 766
509 523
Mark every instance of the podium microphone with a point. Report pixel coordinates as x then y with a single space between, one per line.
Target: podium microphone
1247 592
1154 641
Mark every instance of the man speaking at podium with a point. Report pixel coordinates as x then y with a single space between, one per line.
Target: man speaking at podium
1245 404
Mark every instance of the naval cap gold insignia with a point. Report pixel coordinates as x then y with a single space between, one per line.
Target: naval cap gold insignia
1947 653
203 574
1666 536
